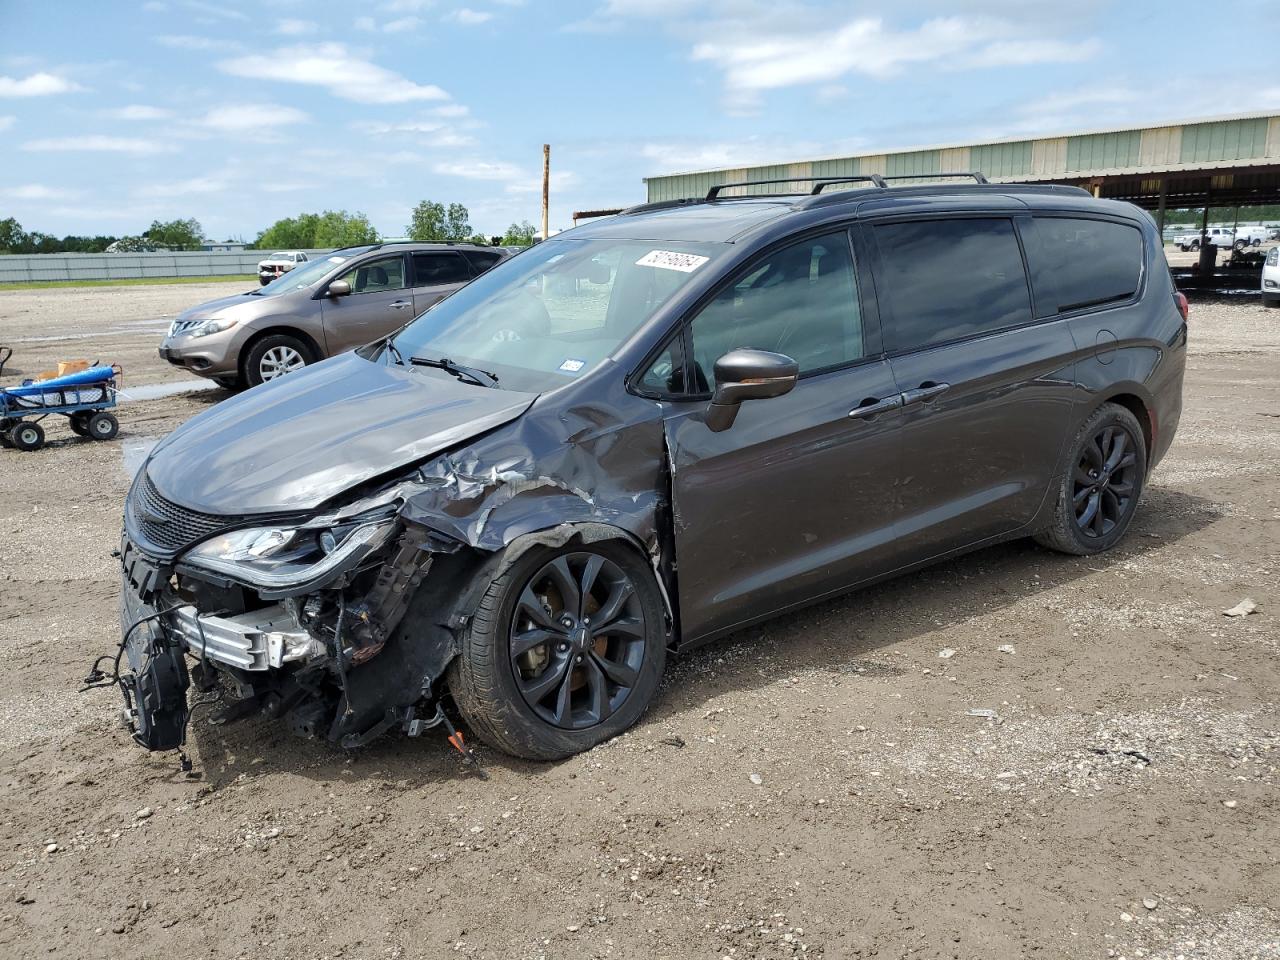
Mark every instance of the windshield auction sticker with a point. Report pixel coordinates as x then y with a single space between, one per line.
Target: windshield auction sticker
669 260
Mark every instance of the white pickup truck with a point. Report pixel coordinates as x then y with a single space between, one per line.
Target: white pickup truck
278 264
1220 237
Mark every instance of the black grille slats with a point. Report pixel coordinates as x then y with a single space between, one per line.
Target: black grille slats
170 526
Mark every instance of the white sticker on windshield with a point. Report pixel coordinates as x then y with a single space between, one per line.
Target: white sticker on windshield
572 366
670 260
337 259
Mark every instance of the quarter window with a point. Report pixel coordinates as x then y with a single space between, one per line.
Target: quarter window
801 301
482 260
435 269
949 279
376 276
1089 262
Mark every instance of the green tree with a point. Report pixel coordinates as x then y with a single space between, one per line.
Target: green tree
427 222
332 228
519 235
431 221
176 234
12 237
133 245
457 222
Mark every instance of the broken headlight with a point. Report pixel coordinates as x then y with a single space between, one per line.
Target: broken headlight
281 557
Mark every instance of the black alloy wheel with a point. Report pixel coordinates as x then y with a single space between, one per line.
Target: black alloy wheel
577 640
1105 481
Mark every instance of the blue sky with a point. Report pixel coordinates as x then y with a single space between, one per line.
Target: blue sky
237 113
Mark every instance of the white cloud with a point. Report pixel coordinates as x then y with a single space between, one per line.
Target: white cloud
295 28
138 111
6 122
480 170
182 188
402 25
450 110
367 24
431 133
697 155
37 191
331 66
185 41
213 12
238 118
94 143
468 17
37 85
760 47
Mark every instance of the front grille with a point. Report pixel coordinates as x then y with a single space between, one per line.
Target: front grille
168 525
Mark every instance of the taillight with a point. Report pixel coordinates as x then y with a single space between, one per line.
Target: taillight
1184 307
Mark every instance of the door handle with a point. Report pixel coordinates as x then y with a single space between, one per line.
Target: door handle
401 304
871 406
924 393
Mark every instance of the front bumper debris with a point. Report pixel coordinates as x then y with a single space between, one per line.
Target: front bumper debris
258 640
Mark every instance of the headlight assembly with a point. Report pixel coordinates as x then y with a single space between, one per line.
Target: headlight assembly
278 558
210 327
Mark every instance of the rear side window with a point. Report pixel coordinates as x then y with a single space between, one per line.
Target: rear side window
948 279
482 260
432 269
1089 262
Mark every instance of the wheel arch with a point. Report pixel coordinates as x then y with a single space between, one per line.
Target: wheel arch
1141 411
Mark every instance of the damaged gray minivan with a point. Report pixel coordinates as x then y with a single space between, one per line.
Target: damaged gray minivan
642 435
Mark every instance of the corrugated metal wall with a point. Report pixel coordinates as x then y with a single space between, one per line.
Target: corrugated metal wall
1223 141
21 268
1229 140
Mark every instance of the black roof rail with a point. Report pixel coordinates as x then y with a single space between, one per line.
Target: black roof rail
874 178
977 176
660 205
714 192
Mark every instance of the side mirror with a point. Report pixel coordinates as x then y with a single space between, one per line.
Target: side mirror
339 288
747 374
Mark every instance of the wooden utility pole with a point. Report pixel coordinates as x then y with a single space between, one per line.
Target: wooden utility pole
546 190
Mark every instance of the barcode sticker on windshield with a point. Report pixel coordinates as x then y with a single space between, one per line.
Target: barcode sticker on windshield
669 260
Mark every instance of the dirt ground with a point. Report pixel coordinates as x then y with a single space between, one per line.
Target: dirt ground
817 786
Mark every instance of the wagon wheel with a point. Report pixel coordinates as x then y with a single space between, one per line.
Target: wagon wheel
27 436
80 423
103 426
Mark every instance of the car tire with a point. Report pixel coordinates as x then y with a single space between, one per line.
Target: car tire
511 691
1195 245
1098 493
263 281
26 436
1239 245
102 426
280 351
230 383
1271 302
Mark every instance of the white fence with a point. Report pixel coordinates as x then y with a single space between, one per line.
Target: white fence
22 268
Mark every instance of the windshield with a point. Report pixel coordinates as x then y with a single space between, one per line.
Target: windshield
550 314
299 278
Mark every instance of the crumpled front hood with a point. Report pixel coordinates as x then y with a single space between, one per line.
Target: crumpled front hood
213 308
295 442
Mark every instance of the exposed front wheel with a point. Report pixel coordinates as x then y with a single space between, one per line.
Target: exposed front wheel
273 357
1098 494
565 650
1195 244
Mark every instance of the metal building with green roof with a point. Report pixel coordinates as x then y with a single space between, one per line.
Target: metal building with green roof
1215 162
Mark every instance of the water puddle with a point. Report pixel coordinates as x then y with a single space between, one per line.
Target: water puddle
113 332
134 453
158 391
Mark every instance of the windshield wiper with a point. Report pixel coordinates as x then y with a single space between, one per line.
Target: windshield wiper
391 349
478 377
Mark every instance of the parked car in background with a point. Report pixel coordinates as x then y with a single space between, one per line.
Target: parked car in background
319 308
639 436
1220 237
1271 279
278 264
